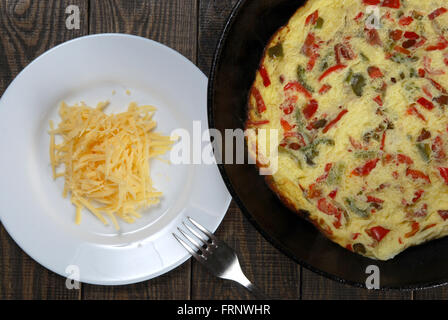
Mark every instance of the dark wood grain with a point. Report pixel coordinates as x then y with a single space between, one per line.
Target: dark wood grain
27 29
440 293
315 287
173 23
213 15
174 285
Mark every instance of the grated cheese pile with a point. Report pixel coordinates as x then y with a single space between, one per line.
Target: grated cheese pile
106 159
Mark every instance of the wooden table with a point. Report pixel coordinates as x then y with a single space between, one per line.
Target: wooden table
30 27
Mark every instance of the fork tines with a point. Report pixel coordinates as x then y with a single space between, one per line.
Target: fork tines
197 243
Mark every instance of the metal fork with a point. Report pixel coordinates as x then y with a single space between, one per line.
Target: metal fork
216 256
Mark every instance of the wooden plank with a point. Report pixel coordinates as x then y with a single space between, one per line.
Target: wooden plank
274 273
440 293
173 23
174 285
316 287
212 17
27 29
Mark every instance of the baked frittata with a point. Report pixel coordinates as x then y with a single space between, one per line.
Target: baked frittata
357 90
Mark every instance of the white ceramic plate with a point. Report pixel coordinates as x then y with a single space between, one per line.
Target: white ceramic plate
32 208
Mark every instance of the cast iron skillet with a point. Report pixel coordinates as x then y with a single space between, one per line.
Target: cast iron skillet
248 30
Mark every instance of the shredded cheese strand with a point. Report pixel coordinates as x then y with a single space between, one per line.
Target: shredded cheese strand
106 159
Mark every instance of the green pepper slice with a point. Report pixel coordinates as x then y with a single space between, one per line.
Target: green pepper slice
276 51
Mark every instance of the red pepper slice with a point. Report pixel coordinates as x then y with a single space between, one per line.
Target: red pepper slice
355 143
313 192
308 46
443 214
416 174
310 109
427 91
405 21
325 88
264 74
334 121
427 63
337 224
312 62
383 141
375 200
366 168
415 228
441 45
325 175
396 34
413 110
359 16
421 73
388 158
409 43
331 70
344 50
437 148
286 126
377 233
388 16
371 2
422 212
327 207
378 100
411 35
312 18
421 42
428 105
402 50
436 13
257 123
394 4
444 174
288 109
374 72
438 86
310 49
261 107
373 37
417 195
404 159
429 226
333 193
294 85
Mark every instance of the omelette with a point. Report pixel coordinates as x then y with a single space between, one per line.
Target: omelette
356 93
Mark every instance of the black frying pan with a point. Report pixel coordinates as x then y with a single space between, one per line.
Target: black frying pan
249 28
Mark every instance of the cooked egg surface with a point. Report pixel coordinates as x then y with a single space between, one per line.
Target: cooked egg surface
357 91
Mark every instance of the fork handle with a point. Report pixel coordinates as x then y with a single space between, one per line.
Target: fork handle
256 292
